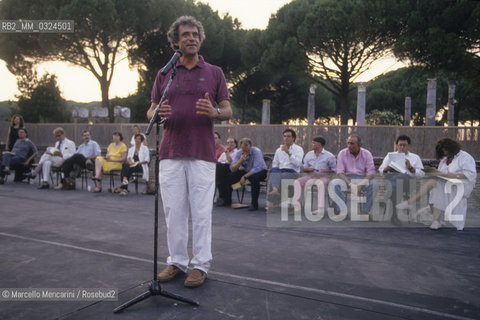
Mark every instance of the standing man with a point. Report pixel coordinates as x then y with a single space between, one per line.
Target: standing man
197 97
64 149
85 155
355 162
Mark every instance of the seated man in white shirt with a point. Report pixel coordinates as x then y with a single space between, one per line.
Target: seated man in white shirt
64 149
286 164
398 168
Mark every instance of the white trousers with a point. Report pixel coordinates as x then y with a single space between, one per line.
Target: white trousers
45 164
187 187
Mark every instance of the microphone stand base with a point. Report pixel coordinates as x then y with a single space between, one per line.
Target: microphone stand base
154 290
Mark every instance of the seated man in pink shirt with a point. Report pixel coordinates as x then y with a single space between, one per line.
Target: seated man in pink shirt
356 163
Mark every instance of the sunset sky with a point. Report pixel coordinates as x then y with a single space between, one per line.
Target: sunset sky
80 85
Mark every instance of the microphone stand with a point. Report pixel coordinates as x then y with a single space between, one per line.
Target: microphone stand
155 289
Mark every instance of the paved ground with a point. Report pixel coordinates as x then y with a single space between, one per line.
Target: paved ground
324 270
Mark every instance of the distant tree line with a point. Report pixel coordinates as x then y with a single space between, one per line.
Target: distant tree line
327 42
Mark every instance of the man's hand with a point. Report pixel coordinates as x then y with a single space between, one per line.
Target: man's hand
409 166
242 180
354 189
204 106
244 157
165 110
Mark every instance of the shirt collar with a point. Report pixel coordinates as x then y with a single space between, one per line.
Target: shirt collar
200 63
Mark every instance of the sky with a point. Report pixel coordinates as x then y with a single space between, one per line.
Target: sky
80 85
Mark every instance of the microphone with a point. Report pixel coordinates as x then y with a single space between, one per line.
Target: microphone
172 62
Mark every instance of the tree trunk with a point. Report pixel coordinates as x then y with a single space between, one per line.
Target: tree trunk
105 86
343 106
344 92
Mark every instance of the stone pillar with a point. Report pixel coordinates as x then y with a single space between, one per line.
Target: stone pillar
361 98
451 103
431 102
266 111
311 104
408 111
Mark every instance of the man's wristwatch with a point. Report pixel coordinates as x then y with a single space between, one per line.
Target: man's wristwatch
218 112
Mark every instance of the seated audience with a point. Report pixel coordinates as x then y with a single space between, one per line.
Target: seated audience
64 149
116 155
318 164
223 167
83 158
21 154
137 161
247 164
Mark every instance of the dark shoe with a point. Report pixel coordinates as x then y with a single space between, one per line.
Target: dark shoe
253 207
69 184
195 278
2 180
220 203
169 273
395 221
44 185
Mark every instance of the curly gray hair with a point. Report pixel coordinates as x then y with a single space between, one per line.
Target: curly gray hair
173 35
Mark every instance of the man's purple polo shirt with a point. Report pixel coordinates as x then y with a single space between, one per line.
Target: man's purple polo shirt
361 165
186 134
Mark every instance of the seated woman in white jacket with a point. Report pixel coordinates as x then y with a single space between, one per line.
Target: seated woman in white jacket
451 186
457 168
137 161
